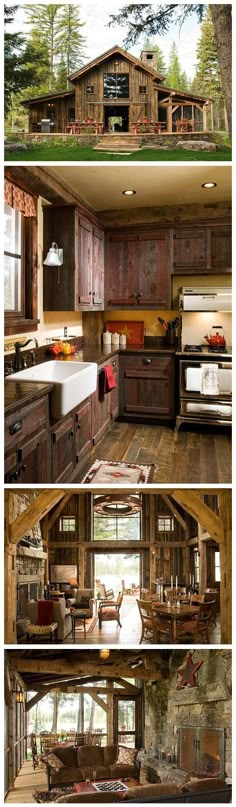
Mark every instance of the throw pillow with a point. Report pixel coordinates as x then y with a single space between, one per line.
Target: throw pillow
203 784
126 756
54 763
85 601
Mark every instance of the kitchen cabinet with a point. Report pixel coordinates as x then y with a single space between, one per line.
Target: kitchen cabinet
105 408
83 431
147 386
79 283
202 250
27 437
136 269
63 452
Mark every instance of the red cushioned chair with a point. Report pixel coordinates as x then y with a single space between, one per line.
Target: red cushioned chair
110 611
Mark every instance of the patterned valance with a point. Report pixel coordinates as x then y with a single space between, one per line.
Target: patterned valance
15 197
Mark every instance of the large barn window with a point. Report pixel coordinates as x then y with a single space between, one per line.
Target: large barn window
116 85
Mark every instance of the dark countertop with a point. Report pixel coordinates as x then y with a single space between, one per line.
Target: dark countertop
21 393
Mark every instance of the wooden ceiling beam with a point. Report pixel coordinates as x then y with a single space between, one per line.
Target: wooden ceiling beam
201 512
35 511
174 511
57 512
80 668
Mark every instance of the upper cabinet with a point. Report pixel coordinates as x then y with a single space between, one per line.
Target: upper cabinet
79 283
137 269
202 250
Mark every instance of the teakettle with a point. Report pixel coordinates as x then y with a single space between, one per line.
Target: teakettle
216 339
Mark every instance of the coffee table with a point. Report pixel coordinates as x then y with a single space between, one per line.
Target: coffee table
82 787
79 614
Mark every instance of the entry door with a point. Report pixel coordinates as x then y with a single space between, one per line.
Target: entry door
127 727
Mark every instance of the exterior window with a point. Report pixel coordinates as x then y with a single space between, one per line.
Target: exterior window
67 524
165 524
150 56
196 566
13 259
116 85
108 528
90 88
142 89
217 567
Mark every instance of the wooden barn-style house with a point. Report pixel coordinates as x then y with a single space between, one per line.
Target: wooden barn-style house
118 93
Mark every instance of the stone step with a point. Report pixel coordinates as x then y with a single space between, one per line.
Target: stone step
117 147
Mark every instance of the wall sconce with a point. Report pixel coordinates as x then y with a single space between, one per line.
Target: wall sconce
54 257
104 653
19 697
74 582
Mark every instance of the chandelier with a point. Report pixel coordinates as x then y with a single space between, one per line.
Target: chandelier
117 505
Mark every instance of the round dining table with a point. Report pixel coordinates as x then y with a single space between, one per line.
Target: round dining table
174 614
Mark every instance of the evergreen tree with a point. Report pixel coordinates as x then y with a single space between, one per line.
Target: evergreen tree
175 77
207 80
72 41
22 61
150 44
61 75
43 20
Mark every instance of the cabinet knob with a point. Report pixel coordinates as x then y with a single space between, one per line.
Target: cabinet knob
15 427
71 433
147 361
78 426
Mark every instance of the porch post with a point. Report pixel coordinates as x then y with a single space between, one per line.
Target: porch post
202 548
204 118
110 713
10 593
169 116
226 571
212 117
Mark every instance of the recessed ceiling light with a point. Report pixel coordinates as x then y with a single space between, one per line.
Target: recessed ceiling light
129 193
209 185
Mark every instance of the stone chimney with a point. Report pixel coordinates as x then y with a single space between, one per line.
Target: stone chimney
149 58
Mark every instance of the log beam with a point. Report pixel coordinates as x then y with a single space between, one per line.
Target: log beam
36 510
59 509
174 511
201 512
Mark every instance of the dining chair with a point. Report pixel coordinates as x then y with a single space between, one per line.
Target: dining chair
145 611
109 611
196 628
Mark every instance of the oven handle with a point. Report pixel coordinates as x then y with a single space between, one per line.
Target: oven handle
225 365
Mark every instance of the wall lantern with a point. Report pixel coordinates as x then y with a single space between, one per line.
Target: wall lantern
19 697
54 257
74 582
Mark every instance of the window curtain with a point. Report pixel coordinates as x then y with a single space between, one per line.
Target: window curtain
17 198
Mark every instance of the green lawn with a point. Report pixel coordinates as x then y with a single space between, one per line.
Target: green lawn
79 153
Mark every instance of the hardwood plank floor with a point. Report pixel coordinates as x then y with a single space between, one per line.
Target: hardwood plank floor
26 782
197 455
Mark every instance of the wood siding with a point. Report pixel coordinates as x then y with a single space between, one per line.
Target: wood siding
91 105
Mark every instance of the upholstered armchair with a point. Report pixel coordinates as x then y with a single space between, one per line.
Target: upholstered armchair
61 615
82 598
109 611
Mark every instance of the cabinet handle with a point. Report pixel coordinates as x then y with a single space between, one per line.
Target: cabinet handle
16 427
114 364
78 426
139 294
90 293
134 294
147 361
71 433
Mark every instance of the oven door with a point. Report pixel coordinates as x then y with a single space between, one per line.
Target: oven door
192 378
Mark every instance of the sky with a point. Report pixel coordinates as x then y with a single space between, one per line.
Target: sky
100 38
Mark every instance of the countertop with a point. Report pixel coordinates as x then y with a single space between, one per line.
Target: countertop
21 393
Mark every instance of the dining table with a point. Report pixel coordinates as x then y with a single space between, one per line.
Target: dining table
175 613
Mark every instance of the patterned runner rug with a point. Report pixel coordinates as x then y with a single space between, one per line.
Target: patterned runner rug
105 472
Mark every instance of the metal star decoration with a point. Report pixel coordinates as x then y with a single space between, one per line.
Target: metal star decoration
187 672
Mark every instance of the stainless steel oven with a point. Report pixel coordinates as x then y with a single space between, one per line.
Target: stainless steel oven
198 404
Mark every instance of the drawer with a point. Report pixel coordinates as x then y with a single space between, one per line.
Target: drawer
215 410
146 361
29 420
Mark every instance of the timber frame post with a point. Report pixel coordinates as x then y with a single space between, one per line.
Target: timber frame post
226 567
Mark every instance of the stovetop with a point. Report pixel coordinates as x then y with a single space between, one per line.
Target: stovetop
204 349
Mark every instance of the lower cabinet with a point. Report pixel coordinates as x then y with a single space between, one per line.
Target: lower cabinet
71 441
83 431
105 407
27 442
147 386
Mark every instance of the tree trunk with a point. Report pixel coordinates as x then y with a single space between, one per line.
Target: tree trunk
55 709
222 22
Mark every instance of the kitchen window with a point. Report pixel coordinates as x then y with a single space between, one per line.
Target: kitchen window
116 85
20 260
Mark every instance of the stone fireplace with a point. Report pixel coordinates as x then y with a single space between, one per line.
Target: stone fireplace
30 563
188 730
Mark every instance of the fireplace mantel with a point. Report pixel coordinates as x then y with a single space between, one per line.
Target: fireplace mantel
29 552
212 692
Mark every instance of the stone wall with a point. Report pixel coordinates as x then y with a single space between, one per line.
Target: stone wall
28 566
208 704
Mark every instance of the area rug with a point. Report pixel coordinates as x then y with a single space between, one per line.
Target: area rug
44 796
105 472
89 626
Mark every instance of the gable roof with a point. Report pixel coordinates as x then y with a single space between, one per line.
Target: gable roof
112 52
47 96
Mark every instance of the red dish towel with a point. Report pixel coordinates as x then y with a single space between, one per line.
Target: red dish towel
109 379
45 612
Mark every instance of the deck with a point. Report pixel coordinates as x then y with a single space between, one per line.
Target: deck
26 782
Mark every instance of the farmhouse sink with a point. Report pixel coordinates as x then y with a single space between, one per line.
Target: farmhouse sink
73 382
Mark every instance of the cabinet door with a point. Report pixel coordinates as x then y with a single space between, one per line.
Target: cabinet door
63 451
149 391
220 249
98 270
189 251
122 270
153 275
114 394
32 459
83 430
100 410
84 241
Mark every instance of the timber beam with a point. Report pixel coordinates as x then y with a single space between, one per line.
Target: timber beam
201 512
81 668
36 510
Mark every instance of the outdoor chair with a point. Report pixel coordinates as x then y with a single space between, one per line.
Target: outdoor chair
197 628
125 589
34 752
109 611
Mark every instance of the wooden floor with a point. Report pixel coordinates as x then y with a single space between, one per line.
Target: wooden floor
200 454
26 782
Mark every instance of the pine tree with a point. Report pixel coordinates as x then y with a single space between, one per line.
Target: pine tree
175 77
44 27
207 80
150 44
61 75
23 62
72 41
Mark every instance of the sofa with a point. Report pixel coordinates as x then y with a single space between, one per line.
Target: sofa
78 763
61 615
81 598
206 791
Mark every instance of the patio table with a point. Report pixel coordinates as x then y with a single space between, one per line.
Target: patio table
175 613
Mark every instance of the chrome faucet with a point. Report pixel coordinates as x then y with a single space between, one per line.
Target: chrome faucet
19 361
